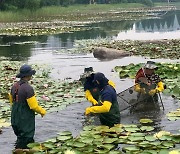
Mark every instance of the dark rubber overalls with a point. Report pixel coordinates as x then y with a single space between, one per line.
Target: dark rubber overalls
22 117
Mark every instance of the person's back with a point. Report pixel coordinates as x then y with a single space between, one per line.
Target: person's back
21 113
113 116
24 106
108 108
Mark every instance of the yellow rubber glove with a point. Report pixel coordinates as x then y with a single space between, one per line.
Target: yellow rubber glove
33 104
111 83
160 87
10 98
152 92
90 98
137 88
99 109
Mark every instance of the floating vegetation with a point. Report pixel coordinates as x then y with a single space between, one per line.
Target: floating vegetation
40 30
154 49
102 139
168 72
52 95
174 115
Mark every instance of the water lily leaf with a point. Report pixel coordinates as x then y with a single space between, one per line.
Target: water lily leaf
106 146
64 138
146 128
114 152
85 133
163 151
109 140
150 152
130 149
136 138
35 144
165 137
173 118
88 128
150 138
79 144
168 144
64 133
144 121
101 151
49 145
144 144
137 134
116 129
87 140
132 129
102 128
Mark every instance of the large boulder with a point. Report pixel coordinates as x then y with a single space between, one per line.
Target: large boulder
109 53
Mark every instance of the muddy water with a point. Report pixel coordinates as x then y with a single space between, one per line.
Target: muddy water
72 118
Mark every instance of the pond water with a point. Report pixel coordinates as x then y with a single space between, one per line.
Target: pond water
72 65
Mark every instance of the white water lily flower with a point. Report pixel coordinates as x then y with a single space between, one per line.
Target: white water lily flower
69 152
174 152
161 133
175 68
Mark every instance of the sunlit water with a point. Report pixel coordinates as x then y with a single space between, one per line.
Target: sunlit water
72 65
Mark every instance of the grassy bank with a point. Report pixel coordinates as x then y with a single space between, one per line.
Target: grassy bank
67 13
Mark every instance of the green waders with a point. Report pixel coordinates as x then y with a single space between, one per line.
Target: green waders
23 124
112 117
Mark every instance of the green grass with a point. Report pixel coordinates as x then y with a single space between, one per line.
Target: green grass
23 15
68 13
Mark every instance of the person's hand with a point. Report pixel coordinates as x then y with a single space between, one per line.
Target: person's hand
43 112
152 92
87 112
143 91
94 102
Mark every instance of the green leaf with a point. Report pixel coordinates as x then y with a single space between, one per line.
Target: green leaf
144 121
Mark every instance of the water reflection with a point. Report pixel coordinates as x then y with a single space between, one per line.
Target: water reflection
168 23
166 27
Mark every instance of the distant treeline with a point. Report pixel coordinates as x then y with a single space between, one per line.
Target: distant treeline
35 4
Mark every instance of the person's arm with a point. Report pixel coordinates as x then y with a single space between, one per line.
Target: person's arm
99 109
90 98
138 88
33 104
159 88
111 83
10 98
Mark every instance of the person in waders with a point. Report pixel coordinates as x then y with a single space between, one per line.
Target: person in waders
107 107
147 83
91 91
24 106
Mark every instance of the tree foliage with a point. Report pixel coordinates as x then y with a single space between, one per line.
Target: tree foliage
35 4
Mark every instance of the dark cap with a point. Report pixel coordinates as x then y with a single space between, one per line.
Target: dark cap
99 77
25 70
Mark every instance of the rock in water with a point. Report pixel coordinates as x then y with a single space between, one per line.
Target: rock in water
109 53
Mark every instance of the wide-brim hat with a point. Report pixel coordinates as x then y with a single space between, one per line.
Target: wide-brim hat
88 71
150 65
25 71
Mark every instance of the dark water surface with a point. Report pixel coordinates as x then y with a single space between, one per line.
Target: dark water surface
72 65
